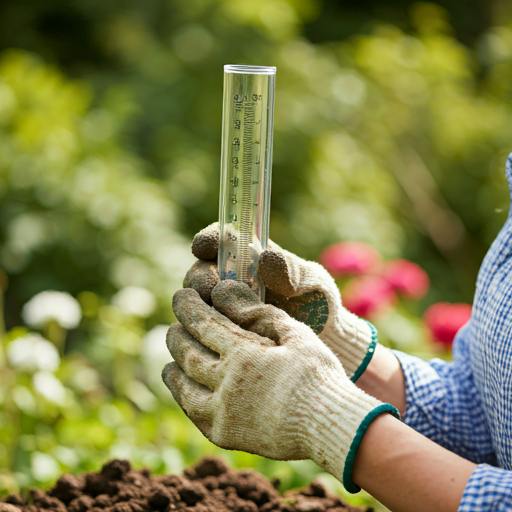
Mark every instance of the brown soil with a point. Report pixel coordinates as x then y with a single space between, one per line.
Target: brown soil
209 486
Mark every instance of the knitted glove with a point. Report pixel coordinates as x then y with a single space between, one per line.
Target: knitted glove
252 378
304 289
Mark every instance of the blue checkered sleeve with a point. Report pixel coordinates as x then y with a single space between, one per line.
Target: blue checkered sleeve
443 405
466 405
488 489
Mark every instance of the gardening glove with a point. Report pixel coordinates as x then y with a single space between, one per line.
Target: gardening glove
304 289
252 378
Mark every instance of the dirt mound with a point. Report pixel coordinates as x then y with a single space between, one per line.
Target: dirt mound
209 486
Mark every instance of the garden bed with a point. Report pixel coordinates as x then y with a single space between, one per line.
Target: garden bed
209 486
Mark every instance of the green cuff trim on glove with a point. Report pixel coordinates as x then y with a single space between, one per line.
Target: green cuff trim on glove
369 354
349 485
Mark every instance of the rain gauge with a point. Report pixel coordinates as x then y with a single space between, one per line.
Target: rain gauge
246 171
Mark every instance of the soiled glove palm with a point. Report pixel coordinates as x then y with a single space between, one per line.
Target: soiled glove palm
304 289
252 378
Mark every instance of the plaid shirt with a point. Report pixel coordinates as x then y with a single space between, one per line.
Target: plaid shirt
466 405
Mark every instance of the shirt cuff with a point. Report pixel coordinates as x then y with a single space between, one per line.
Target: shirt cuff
488 488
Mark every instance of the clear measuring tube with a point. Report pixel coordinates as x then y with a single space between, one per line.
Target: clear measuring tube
246 171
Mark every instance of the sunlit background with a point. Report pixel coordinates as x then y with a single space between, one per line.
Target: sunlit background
392 128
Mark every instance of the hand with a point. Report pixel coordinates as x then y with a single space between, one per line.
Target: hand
303 289
252 378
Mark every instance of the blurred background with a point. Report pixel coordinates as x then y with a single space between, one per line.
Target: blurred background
392 129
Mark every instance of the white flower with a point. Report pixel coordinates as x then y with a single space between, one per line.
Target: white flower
134 300
155 355
65 455
141 396
24 399
47 385
85 379
154 347
44 467
173 460
32 352
51 305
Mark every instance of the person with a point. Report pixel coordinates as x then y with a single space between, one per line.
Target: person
301 377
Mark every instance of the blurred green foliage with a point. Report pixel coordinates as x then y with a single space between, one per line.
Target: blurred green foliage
77 212
396 137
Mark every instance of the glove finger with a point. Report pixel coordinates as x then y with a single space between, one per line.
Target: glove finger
195 399
205 245
287 274
202 277
238 302
198 362
208 326
274 270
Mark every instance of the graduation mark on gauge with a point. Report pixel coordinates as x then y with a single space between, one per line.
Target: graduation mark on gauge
246 189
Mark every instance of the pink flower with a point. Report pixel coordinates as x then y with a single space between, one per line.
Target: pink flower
444 320
348 258
407 278
369 295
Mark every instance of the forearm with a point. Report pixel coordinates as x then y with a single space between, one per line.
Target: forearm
408 472
384 379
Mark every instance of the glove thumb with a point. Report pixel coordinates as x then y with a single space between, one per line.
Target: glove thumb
282 271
